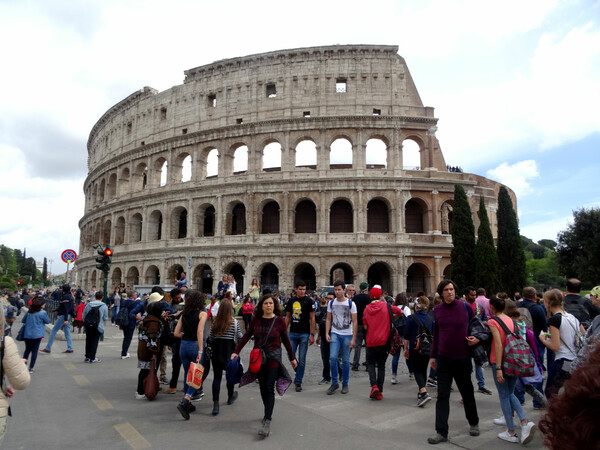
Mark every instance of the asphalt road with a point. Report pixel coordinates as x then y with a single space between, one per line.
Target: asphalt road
72 405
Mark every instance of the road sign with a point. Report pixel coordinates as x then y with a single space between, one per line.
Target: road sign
69 256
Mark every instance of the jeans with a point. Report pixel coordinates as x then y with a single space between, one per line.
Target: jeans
377 356
188 352
339 341
325 349
114 311
66 328
479 376
395 359
266 382
92 336
508 401
127 336
460 371
299 343
360 333
31 347
556 377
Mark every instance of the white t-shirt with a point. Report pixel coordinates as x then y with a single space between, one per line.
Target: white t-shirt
341 316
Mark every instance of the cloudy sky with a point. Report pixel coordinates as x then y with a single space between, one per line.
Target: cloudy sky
515 86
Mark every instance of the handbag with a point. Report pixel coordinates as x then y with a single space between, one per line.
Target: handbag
150 383
21 333
258 358
194 375
394 340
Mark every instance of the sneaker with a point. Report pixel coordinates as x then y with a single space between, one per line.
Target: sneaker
527 432
324 381
86 360
127 356
431 382
31 370
165 380
411 376
333 388
95 360
140 396
374 392
437 439
501 421
506 436
266 428
184 408
298 388
199 395
231 400
474 430
170 390
395 380
47 352
379 396
68 351
345 389
423 400
484 390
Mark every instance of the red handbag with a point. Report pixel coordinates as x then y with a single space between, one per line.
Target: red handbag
150 383
257 360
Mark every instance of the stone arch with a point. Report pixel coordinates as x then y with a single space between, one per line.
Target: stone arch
101 191
124 181
111 188
152 275
106 228
415 216
341 271
376 153
305 217
341 217
133 277
211 169
179 223
135 228
378 216
94 194
305 271
270 218
181 169
240 159
115 278
412 153
202 278
238 272
206 220
447 274
306 153
161 168
94 277
236 218
140 177
174 273
271 156
120 231
417 279
340 153
380 273
155 225
269 277
446 214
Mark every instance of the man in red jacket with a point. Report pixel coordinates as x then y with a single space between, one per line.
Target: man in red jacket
377 323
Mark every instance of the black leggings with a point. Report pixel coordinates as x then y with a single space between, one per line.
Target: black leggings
175 363
266 381
247 320
419 365
376 358
218 369
32 346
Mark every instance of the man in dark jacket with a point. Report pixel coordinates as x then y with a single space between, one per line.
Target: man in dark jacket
134 307
362 300
582 308
63 320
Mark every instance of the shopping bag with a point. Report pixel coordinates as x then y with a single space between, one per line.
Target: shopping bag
194 375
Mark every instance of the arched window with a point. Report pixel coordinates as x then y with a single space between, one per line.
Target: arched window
120 231
163 174
179 223
238 219
155 222
411 155
136 228
378 220
240 159
376 154
340 155
101 191
186 169
112 186
272 157
124 182
340 217
209 221
306 154
306 217
414 216
212 163
270 218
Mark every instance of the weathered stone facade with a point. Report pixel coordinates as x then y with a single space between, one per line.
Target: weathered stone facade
294 209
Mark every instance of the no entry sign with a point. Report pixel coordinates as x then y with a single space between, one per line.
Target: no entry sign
69 256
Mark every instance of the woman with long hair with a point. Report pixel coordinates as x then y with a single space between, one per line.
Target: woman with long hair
35 320
190 329
247 311
401 301
269 331
254 291
563 328
505 384
223 336
150 332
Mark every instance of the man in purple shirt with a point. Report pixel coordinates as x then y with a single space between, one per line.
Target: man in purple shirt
483 301
451 357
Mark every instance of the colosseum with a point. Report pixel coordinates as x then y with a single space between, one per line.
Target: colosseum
314 163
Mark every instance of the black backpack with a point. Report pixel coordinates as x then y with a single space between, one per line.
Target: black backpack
424 338
122 318
92 318
400 323
578 309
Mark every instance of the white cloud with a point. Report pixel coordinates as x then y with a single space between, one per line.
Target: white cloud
517 176
545 229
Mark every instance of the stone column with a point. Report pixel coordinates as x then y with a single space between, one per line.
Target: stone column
219 219
435 225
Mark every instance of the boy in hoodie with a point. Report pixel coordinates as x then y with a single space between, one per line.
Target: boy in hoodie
377 324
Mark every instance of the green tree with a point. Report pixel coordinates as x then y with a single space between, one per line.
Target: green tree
487 265
45 271
548 243
578 247
510 246
462 256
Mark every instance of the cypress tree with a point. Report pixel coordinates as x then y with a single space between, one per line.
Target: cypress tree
510 246
487 265
462 230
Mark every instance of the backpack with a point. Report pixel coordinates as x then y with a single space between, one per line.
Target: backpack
395 339
92 319
122 318
578 310
424 338
518 360
400 322
526 317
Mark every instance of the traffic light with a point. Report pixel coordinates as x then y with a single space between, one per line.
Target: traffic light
104 259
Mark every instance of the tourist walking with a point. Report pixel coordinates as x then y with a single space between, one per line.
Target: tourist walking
66 310
98 309
34 322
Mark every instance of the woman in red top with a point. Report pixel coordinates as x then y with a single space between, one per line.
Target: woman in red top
266 312
247 310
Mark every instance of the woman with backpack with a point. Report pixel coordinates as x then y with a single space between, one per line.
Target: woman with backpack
223 337
563 329
401 302
418 336
505 384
